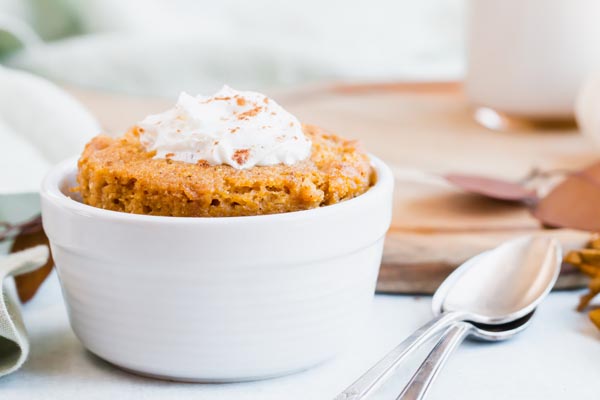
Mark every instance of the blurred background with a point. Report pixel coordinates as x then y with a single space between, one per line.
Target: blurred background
158 47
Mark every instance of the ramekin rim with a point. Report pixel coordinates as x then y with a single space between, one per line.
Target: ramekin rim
51 191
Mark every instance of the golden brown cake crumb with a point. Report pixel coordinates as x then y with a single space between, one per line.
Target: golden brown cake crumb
118 174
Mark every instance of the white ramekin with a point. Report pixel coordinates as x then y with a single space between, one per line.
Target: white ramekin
216 299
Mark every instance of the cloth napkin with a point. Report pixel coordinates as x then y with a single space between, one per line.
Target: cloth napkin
40 125
14 346
162 47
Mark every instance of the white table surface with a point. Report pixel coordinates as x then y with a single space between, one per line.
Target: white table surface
557 358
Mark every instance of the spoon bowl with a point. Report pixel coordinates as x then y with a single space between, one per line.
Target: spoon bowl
497 333
518 273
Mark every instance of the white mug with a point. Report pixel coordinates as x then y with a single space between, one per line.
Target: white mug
528 58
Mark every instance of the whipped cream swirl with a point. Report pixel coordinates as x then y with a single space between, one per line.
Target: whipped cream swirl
240 129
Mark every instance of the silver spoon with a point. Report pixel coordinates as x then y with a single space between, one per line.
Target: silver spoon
420 382
494 288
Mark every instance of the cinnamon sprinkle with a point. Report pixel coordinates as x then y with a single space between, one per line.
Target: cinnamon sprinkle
249 113
241 156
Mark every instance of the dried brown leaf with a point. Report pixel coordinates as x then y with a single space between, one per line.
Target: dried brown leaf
590 256
574 203
497 189
573 257
29 283
594 242
592 173
595 317
588 262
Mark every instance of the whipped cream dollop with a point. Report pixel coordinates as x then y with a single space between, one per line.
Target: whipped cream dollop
241 129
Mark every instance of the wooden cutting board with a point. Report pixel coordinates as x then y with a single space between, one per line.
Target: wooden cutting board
419 129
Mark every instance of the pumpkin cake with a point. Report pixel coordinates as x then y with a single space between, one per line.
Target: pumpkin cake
126 174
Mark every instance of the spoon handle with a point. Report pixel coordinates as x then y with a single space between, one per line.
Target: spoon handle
420 382
382 370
